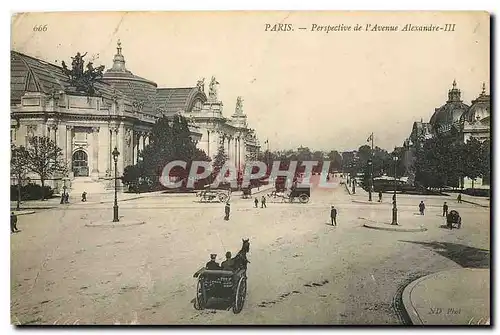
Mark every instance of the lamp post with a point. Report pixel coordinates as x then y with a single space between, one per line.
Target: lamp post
394 206
370 181
115 154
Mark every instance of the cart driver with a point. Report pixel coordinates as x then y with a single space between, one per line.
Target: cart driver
213 265
228 263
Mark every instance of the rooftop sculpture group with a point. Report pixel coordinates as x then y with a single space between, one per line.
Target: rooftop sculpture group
83 81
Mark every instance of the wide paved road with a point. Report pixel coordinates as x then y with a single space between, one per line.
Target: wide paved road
302 271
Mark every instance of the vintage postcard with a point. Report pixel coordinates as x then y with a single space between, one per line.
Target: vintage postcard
250 168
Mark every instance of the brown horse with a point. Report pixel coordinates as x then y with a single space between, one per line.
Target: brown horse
240 261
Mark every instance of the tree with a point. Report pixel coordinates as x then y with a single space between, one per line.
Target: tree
170 141
18 168
219 160
44 158
473 166
486 162
336 161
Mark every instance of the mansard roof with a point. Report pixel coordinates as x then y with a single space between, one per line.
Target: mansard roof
29 74
172 100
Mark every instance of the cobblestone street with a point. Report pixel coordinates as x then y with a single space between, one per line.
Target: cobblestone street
302 270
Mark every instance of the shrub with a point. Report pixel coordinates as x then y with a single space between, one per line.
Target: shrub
31 192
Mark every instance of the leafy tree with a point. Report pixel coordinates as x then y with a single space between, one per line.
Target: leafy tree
132 174
18 168
473 166
336 161
486 161
170 141
219 160
44 158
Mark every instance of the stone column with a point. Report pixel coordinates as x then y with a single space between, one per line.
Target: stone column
119 144
208 143
229 148
148 136
236 152
69 150
95 152
140 142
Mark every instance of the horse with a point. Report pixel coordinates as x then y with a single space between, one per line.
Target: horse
240 261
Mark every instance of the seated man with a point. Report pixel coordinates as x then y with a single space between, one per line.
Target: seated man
227 264
213 265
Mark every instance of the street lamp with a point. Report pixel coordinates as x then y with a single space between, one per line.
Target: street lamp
394 206
370 181
115 154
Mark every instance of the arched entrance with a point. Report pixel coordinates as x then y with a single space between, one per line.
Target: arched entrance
80 164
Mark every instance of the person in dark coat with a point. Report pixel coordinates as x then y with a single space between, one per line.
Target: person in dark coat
421 207
256 202
227 210
445 209
13 223
263 202
333 215
227 264
380 196
459 198
212 265
84 196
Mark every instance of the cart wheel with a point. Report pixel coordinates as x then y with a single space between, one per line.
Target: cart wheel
304 198
222 197
200 301
240 295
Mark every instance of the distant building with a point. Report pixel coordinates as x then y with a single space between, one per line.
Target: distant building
121 113
455 119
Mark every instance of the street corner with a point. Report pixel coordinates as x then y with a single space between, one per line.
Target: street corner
452 297
111 224
382 225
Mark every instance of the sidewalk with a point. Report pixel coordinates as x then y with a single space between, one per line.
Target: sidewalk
453 297
479 201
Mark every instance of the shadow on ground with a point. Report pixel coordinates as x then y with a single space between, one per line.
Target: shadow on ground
463 255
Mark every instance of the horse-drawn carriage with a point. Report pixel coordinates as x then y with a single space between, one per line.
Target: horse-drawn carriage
228 284
453 219
247 192
208 195
301 193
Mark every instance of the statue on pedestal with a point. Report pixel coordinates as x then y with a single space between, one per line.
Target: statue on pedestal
239 106
212 89
201 85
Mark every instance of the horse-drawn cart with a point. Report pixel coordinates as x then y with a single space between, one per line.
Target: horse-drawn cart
208 195
453 219
221 284
301 193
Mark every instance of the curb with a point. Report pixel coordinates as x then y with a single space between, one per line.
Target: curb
368 202
115 225
375 226
23 212
475 203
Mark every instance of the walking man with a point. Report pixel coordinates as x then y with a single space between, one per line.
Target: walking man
421 207
84 196
379 196
333 215
256 202
227 210
263 202
13 223
445 209
459 198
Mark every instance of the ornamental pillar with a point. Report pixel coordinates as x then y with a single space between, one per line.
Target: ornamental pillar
95 152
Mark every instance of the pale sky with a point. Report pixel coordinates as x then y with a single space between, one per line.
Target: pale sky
328 91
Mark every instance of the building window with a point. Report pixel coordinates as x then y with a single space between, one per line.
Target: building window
197 106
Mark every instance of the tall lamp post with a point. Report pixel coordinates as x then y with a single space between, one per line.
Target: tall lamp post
394 206
370 181
115 154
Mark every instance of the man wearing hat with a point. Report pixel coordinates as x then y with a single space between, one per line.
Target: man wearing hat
333 215
227 264
212 265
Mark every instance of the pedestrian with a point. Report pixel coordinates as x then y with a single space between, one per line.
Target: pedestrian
63 197
13 223
227 210
84 196
66 198
421 207
445 209
333 215
263 202
379 196
256 202
459 198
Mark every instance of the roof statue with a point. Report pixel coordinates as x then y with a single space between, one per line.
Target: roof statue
83 81
212 89
201 85
239 106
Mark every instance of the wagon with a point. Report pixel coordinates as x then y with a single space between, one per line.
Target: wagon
221 284
208 195
303 193
453 219
247 193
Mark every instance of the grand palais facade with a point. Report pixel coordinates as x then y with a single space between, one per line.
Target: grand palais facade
121 114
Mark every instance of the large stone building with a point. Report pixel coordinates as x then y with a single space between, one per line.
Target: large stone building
120 112
456 119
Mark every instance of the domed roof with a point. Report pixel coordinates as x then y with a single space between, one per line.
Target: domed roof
450 112
480 108
137 89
